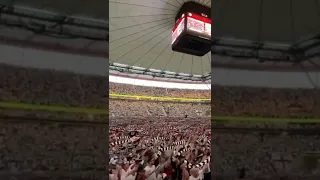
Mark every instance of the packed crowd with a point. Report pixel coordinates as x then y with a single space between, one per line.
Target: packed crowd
242 155
242 101
158 140
156 148
50 87
63 88
169 147
120 107
181 152
47 151
249 101
37 144
265 155
155 91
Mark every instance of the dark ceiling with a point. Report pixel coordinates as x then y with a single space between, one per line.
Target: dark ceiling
95 9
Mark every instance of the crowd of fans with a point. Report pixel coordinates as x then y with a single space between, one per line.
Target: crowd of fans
120 107
155 91
63 88
47 151
158 140
262 102
157 148
243 155
43 145
50 87
267 155
241 101
170 137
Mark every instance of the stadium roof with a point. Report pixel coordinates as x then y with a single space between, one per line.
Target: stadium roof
96 9
140 39
79 27
266 35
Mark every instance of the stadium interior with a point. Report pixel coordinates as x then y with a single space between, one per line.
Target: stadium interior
257 131
53 99
48 117
265 92
159 104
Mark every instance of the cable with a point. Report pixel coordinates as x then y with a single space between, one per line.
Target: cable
315 86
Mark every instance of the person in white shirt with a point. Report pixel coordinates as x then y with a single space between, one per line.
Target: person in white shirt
149 170
207 172
185 172
113 173
195 174
198 174
128 172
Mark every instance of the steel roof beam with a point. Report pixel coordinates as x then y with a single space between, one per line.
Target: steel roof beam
155 73
58 28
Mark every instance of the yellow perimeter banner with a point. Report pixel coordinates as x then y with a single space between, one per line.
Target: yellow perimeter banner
52 108
100 111
159 98
265 119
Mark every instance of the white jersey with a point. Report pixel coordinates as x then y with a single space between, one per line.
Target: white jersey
150 172
125 176
200 177
113 177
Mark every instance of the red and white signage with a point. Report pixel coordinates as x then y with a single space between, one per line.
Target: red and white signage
178 28
199 25
195 25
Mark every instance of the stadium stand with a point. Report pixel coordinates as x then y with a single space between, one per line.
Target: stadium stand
167 133
46 144
265 97
266 154
157 109
276 150
49 87
53 113
265 102
259 148
155 91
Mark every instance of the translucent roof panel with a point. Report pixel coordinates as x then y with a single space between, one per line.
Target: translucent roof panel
140 35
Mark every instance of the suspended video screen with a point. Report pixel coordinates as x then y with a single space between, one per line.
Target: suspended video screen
178 28
199 26
192 34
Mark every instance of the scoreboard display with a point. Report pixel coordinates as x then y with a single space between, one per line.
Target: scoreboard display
199 26
192 24
192 33
178 29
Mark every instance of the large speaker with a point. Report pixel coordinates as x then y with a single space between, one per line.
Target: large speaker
192 31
